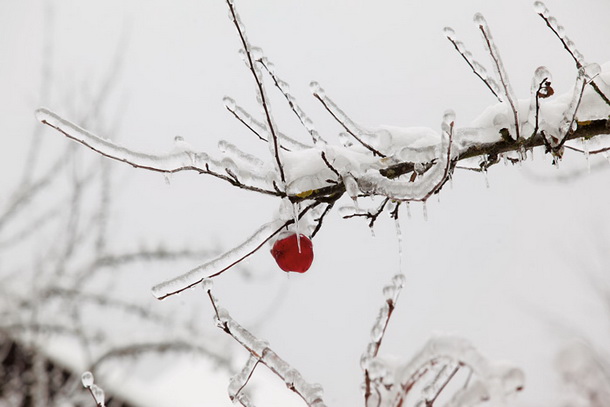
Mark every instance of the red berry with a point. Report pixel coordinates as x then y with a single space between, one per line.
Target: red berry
288 256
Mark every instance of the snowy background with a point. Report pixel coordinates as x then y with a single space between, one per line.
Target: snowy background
516 267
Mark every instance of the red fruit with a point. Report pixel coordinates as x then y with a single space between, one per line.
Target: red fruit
288 256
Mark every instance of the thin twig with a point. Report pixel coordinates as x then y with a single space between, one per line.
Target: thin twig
504 81
261 89
342 123
579 65
485 81
200 170
300 114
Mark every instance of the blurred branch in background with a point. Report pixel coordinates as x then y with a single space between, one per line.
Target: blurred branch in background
55 320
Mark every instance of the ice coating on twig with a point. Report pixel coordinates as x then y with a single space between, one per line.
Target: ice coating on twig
260 352
284 88
362 137
375 370
506 87
239 381
251 55
373 182
478 69
569 116
261 130
497 381
174 161
601 89
221 263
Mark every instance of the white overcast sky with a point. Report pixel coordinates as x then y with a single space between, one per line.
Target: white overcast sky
507 267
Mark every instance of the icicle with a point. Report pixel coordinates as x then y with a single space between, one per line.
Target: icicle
399 240
408 205
296 207
351 187
585 148
485 175
425 210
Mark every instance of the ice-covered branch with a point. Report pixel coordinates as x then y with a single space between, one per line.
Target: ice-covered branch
283 87
478 69
502 75
226 260
494 381
260 352
264 100
180 160
579 59
373 376
341 117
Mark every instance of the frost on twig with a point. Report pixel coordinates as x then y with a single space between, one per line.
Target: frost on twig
260 353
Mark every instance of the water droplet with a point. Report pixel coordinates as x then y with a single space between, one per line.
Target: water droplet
449 32
449 116
399 280
207 284
315 88
229 103
480 20
87 379
389 292
540 8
